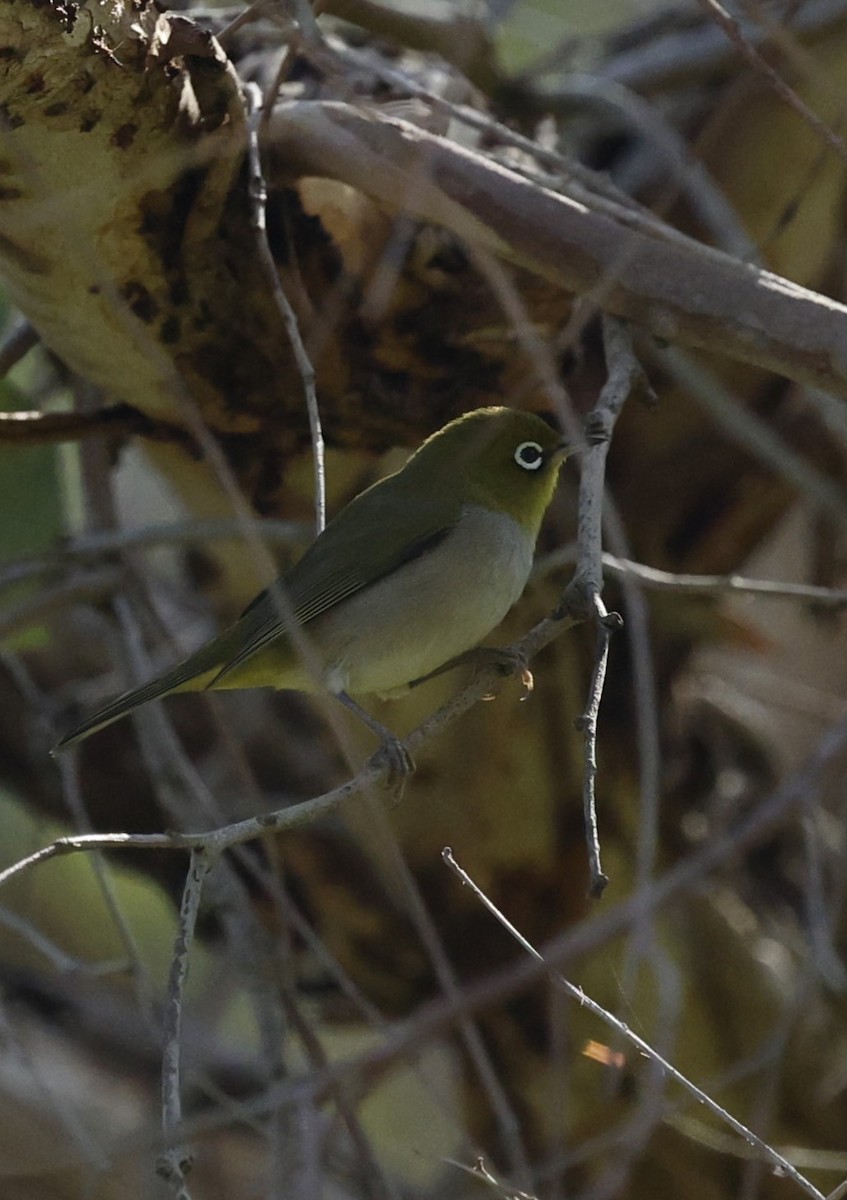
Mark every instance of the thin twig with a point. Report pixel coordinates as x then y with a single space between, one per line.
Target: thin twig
586 723
478 1053
104 876
718 585
748 430
585 1001
486 681
700 50
583 594
642 942
571 176
596 509
482 1172
622 266
174 1163
54 954
434 1018
91 546
36 428
16 345
83 587
184 796
761 66
698 585
259 197
623 369
688 173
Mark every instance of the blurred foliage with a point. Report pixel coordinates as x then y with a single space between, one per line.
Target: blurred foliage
31 500
531 29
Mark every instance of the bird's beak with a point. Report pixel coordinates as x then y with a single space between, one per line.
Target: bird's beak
564 450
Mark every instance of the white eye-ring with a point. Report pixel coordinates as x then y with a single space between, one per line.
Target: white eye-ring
529 455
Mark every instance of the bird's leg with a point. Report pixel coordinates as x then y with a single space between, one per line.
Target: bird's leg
508 662
399 759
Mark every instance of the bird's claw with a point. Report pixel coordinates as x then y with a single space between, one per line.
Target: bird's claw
507 662
394 756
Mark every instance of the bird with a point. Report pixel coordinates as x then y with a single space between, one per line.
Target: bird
409 577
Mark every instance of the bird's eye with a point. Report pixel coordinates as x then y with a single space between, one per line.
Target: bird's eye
529 455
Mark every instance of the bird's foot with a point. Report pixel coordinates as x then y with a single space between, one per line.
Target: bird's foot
399 762
506 662
391 754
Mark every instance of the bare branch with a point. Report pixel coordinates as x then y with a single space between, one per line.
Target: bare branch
583 594
36 428
174 1164
17 344
84 586
761 66
90 547
747 429
225 837
259 198
675 287
54 954
700 585
718 585
432 1019
688 174
587 724
576 993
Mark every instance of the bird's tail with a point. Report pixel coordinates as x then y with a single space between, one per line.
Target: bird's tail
193 674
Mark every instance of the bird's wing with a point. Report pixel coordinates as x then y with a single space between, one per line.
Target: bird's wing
376 534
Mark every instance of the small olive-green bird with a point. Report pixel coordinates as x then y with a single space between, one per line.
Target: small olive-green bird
413 573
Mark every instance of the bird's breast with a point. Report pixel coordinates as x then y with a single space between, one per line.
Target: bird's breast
429 610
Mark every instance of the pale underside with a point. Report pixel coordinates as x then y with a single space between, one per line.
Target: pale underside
402 627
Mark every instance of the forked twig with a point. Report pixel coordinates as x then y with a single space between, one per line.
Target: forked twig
583 595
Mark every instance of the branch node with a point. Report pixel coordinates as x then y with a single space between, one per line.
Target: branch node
613 622
173 1169
598 427
597 885
576 601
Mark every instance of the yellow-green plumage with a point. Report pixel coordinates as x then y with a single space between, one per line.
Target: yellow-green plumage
414 571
